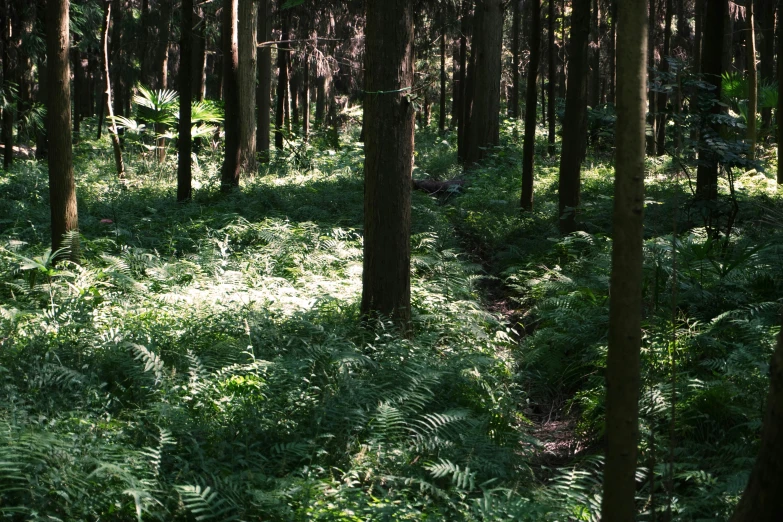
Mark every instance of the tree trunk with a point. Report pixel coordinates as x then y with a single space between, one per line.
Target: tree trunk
766 24
712 66
184 141
26 71
229 178
455 85
282 81
698 33
463 108
199 46
62 188
9 77
306 90
248 18
625 286
442 115
529 147
161 62
753 83
115 139
595 56
552 68
264 89
514 102
612 52
483 119
652 96
388 160
779 108
41 137
762 501
662 97
78 93
575 119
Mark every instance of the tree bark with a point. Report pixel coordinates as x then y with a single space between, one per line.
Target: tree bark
62 187
762 501
612 52
282 81
41 137
199 47
388 160
229 178
26 71
483 116
466 26
9 77
529 146
625 286
753 82
716 13
248 18
184 140
515 17
698 33
552 68
442 115
115 139
264 92
766 25
652 96
161 77
662 97
779 108
306 89
595 56
575 120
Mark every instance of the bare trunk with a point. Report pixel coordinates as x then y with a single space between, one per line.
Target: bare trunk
753 83
115 139
264 89
9 77
595 56
515 20
766 25
229 177
62 188
199 52
282 83
184 140
652 96
552 68
529 148
388 161
248 18
625 286
663 98
575 120
442 115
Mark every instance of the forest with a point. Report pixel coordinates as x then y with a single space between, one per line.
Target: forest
391 260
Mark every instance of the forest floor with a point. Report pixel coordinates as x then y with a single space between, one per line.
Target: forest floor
207 361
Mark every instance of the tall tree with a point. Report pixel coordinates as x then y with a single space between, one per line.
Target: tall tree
552 70
762 500
248 18
199 52
516 10
184 140
161 61
766 25
442 115
282 79
388 163
662 96
595 56
652 96
575 119
779 108
482 126
62 187
716 13
115 139
229 178
529 148
9 40
625 286
264 87
753 82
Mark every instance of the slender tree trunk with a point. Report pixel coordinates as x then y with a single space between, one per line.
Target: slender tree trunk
77 94
766 24
483 126
464 103
779 108
552 68
199 46
306 90
388 160
442 115
712 67
62 188
41 136
115 139
229 178
282 81
9 77
248 18
595 56
753 83
662 97
293 90
762 501
698 33
25 63
263 95
652 96
575 120
455 87
161 68
184 141
516 9
529 147
612 52
625 286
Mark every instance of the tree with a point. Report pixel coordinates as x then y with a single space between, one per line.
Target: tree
716 13
231 162
184 140
62 187
515 19
625 286
248 15
552 71
388 163
482 125
9 40
753 83
575 118
282 79
762 501
529 149
115 139
264 88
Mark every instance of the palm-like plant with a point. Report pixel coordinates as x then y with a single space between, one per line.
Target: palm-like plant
735 89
